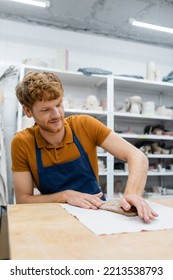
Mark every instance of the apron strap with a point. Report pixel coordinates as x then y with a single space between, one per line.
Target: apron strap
38 151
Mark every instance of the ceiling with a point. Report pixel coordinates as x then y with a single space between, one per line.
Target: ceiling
103 17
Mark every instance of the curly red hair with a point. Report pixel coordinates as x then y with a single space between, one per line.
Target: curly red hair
37 86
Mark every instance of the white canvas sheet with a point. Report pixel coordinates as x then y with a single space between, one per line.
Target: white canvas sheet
105 222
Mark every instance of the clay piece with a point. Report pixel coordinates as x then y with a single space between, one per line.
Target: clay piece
114 206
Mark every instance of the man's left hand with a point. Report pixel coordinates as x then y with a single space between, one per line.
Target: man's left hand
144 211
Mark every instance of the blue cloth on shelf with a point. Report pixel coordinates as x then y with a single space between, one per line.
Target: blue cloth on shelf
98 71
131 76
168 78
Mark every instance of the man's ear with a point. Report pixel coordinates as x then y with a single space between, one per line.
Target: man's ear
27 111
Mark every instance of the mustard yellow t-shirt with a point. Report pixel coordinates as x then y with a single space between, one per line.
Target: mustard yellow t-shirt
89 131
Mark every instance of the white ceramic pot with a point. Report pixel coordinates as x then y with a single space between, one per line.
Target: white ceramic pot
148 107
151 71
136 102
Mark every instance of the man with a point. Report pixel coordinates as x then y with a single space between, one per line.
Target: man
58 155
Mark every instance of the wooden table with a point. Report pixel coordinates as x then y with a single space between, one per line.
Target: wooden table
47 231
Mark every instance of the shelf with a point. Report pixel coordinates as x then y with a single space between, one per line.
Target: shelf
83 111
102 154
160 156
71 78
103 173
155 173
142 84
120 173
86 112
142 116
150 173
157 195
146 136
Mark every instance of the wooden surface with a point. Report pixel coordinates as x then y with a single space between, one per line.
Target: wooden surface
47 231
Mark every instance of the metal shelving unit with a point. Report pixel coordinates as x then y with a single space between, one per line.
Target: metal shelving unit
162 94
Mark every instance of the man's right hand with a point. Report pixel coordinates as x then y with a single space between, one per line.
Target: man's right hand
83 200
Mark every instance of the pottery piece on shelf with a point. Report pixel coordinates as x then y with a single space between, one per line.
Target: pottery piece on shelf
126 106
148 107
163 111
156 149
35 62
136 102
92 103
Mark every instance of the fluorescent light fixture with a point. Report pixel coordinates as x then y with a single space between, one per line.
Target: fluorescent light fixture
151 26
42 4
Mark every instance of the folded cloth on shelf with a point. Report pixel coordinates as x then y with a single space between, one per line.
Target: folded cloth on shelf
89 71
168 78
114 206
130 76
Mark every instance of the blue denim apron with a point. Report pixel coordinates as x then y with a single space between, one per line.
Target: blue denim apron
75 175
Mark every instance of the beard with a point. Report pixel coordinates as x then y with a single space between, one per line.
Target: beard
53 126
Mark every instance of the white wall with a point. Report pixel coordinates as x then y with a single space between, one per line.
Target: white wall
19 41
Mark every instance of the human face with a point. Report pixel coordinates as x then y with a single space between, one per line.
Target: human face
49 115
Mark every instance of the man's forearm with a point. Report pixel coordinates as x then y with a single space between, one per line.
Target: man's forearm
137 176
59 197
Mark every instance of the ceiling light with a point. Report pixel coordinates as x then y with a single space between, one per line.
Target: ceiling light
151 26
42 4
